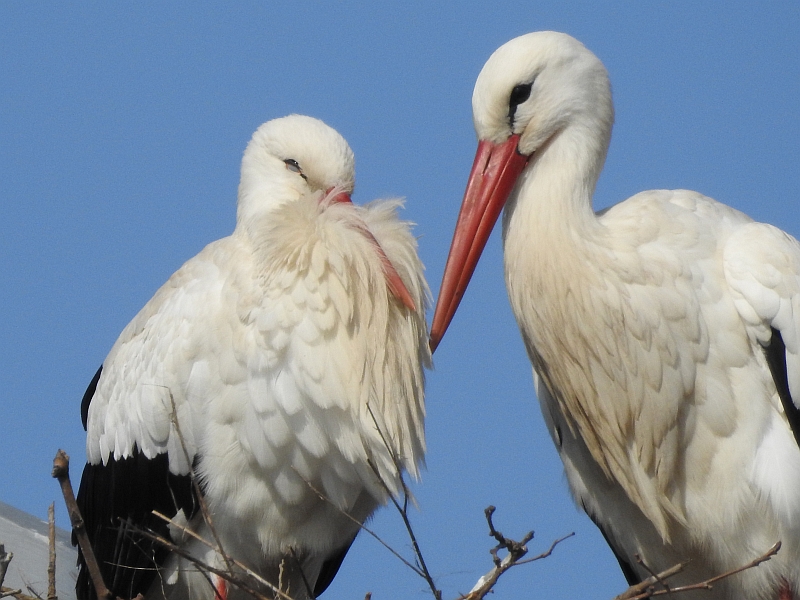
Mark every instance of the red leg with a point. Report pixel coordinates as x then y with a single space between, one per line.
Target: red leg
221 588
785 591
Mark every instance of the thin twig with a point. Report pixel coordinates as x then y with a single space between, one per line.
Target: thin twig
753 563
51 563
190 532
437 594
646 589
32 591
299 566
407 522
547 552
5 558
323 497
61 472
635 590
226 575
653 574
198 492
18 594
199 538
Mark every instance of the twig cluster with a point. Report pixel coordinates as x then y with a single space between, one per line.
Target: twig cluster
515 551
242 577
247 580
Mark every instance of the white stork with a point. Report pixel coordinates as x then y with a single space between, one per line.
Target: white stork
664 332
292 354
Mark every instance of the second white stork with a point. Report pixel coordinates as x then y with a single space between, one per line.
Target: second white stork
290 356
664 332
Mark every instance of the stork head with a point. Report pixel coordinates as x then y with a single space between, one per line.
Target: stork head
295 157
536 85
530 90
289 158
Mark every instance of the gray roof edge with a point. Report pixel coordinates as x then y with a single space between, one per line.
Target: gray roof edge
29 521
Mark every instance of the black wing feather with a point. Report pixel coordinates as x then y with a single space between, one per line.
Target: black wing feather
88 395
624 564
776 359
116 500
330 568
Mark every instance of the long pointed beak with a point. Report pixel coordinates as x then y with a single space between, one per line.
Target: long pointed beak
393 280
493 176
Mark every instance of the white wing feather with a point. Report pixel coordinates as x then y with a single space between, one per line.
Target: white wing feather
762 268
667 417
651 384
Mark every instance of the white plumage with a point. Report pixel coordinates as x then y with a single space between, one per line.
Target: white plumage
293 352
664 332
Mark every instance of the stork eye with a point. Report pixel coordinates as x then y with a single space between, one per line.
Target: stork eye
519 94
294 166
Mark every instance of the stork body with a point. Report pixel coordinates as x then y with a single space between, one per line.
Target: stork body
290 355
664 332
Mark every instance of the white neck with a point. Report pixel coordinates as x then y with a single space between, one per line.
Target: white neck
549 225
556 189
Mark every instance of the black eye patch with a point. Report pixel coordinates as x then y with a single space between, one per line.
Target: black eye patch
519 94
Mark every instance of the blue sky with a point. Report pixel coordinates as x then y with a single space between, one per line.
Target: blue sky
121 133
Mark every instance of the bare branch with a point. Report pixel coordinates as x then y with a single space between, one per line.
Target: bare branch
61 472
6 592
635 591
516 550
51 563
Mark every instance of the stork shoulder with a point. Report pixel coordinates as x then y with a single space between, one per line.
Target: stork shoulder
146 370
762 270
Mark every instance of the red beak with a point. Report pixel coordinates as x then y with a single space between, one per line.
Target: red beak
493 176
393 280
